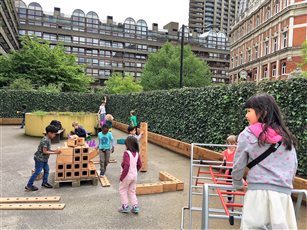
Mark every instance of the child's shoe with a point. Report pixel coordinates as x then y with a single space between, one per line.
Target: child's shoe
47 185
135 209
32 188
124 209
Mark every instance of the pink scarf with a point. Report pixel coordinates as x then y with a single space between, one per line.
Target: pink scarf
271 135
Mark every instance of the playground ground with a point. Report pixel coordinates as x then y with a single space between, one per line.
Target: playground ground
95 207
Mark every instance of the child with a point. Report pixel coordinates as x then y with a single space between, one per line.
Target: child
267 203
130 166
109 120
105 147
132 132
41 158
102 111
23 114
78 130
133 121
229 153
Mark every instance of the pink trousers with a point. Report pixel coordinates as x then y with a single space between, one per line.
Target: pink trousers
127 189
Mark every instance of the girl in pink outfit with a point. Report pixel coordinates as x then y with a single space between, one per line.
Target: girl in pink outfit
130 166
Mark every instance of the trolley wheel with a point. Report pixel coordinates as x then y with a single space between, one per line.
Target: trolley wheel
231 220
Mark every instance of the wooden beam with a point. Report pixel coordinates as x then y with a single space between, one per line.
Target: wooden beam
29 199
150 188
32 206
143 148
103 180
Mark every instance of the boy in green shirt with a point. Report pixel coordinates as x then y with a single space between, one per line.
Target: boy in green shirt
133 121
41 157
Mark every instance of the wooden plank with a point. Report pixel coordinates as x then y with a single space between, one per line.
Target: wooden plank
169 186
143 148
32 206
66 155
150 188
29 199
103 180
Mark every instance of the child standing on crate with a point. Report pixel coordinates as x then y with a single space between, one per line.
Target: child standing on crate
267 203
130 166
105 147
41 157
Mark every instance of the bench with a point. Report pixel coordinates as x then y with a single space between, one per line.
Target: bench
59 136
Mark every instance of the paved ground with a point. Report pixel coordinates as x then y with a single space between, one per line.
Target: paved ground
93 207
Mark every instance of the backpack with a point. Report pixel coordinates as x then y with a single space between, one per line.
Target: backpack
57 124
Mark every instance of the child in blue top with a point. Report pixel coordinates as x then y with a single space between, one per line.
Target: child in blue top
105 147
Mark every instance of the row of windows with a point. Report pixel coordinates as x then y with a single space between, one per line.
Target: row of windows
108 63
253 54
107 73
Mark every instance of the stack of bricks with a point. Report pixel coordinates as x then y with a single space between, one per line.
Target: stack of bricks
73 163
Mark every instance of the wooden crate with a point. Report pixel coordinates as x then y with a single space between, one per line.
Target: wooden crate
66 155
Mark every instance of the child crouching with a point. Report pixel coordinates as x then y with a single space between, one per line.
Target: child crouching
130 166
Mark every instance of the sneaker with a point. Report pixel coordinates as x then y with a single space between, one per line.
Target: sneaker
135 209
101 174
33 188
124 209
47 185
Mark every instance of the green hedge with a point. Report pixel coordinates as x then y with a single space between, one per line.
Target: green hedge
12 100
209 115
206 115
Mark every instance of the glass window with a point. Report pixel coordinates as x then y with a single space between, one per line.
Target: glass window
266 47
283 68
274 70
275 43
284 39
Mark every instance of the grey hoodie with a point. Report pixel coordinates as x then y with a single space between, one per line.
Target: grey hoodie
275 173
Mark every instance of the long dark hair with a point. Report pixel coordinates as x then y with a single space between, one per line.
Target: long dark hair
132 144
269 114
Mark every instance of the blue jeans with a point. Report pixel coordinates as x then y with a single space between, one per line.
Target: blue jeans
39 166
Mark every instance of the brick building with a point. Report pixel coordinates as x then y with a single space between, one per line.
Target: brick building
266 39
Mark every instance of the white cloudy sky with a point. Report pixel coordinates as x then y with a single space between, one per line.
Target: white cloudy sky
152 11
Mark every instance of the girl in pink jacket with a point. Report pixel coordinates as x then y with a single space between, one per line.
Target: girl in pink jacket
130 166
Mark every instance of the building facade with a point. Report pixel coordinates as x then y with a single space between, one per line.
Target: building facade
266 39
220 13
106 47
8 27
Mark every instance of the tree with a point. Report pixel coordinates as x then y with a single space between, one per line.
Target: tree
42 65
21 84
118 84
162 69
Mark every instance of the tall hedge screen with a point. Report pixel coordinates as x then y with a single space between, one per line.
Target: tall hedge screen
206 115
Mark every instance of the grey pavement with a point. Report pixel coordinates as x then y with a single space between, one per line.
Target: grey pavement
95 207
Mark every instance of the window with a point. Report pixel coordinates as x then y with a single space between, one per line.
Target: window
266 47
105 43
285 3
256 52
283 68
104 73
49 37
265 72
284 40
268 13
275 47
274 70
257 20
249 56
64 38
236 61
241 59
276 6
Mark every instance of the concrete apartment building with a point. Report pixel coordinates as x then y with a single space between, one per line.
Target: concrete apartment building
266 39
204 13
107 47
8 27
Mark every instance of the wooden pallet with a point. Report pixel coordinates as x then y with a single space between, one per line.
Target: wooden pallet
32 206
103 180
75 183
29 199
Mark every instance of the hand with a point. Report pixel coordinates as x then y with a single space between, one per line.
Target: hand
57 151
243 189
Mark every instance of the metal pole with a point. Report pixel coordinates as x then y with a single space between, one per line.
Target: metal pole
205 209
181 55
